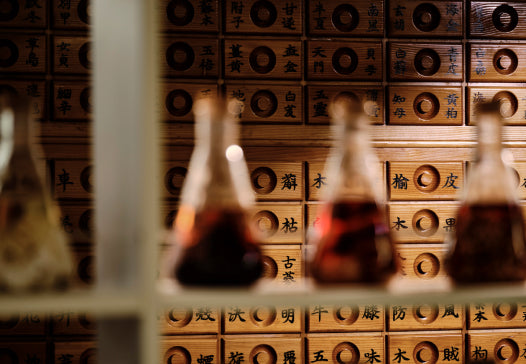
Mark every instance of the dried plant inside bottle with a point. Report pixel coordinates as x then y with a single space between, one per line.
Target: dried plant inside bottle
352 239
214 241
489 242
33 248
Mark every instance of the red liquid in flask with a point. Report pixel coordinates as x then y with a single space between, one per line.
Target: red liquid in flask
218 249
490 244
355 245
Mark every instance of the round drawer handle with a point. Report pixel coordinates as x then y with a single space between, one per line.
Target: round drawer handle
505 18
427 62
264 103
506 351
427 178
263 13
426 17
505 311
263 354
425 352
262 60
426 266
425 314
344 317
425 223
505 61
177 355
345 17
266 223
508 103
344 60
270 268
180 12
346 353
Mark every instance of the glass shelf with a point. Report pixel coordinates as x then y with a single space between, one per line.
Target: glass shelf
115 304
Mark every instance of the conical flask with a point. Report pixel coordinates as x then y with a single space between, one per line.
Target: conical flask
488 244
352 239
214 240
34 254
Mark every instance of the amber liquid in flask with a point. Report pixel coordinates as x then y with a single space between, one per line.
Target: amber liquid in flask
489 244
214 241
34 252
352 239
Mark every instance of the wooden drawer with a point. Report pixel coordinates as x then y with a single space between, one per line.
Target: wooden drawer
339 60
412 61
411 105
77 222
73 323
321 96
72 179
345 318
23 53
193 16
422 222
22 352
277 59
188 320
35 90
72 100
503 346
23 14
263 349
425 18
262 319
431 347
496 19
178 99
497 315
191 57
74 14
343 18
318 180
425 317
269 17
22 324
512 101
76 352
277 181
497 62
278 223
269 103
84 267
425 181
345 348
204 349
283 264
72 55
422 261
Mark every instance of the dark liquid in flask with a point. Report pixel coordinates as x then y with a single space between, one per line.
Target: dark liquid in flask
490 244
355 245
219 251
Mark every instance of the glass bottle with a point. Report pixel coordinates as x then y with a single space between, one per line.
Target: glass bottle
489 242
34 253
352 239
214 241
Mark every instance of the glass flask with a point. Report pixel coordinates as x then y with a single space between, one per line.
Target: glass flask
215 245
488 244
352 239
34 253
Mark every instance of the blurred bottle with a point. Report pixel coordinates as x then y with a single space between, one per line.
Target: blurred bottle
352 239
489 242
34 252
214 241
